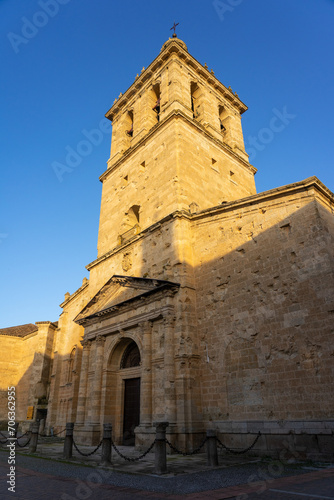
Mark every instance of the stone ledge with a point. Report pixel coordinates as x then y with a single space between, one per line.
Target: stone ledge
325 427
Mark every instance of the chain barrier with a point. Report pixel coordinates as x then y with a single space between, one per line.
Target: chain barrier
3 435
187 453
6 438
23 445
131 459
238 452
53 435
57 433
87 454
17 440
22 435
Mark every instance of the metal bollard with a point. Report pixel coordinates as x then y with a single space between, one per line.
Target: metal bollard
211 448
106 444
68 444
160 447
34 437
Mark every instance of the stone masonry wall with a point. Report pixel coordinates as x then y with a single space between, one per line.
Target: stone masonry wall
264 278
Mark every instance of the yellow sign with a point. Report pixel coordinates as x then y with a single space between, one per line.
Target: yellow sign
30 412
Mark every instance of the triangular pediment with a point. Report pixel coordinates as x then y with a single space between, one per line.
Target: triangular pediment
118 291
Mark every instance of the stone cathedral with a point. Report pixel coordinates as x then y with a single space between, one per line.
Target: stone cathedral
208 305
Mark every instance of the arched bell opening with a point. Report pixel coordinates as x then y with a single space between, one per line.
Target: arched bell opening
130 224
156 98
224 121
195 95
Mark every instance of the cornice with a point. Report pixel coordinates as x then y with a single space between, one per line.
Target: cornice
294 188
173 47
50 323
153 315
176 114
130 304
177 214
74 295
228 206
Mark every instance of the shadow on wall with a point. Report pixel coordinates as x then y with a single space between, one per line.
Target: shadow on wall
265 316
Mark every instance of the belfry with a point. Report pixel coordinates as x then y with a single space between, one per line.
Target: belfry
208 305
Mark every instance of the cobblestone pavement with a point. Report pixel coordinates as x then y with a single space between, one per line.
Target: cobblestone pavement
189 478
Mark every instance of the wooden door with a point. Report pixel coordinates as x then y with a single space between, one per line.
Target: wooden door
131 410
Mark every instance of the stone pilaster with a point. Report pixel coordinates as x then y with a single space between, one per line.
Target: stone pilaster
97 384
146 374
82 395
176 89
169 370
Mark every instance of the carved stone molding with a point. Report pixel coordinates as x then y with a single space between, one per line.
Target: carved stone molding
100 340
145 326
86 344
169 321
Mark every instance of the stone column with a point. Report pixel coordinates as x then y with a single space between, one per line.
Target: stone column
169 370
211 448
82 394
106 445
68 443
34 437
160 447
97 384
146 374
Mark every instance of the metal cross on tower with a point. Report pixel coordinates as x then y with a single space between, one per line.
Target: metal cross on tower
174 27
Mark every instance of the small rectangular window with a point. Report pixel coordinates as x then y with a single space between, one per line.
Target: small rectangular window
214 165
232 178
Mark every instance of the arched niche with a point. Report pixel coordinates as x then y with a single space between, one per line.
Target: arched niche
130 224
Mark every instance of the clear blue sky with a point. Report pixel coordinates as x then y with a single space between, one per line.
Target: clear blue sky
60 78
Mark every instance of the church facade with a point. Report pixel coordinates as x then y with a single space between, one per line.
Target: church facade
208 305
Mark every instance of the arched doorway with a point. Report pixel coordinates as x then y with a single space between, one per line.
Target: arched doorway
123 390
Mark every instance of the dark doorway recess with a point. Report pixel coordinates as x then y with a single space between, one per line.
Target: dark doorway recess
131 410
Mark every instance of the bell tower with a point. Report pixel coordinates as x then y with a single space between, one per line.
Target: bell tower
177 144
